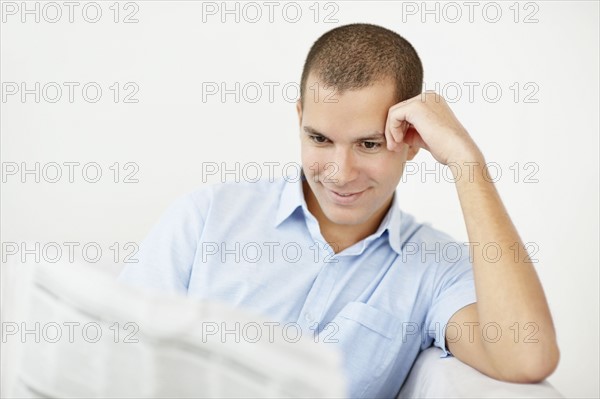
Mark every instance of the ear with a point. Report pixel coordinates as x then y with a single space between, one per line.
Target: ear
299 111
412 151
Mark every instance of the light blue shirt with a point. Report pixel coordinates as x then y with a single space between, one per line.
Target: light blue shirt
256 246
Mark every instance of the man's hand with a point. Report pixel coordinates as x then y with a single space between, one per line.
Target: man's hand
426 121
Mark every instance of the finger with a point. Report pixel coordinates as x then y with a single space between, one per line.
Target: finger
414 139
389 138
396 125
392 142
398 130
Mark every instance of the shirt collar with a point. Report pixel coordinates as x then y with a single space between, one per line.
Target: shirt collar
292 197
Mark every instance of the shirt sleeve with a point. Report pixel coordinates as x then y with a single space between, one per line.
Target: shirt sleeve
166 256
454 288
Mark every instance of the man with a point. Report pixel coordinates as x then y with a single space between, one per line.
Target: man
333 252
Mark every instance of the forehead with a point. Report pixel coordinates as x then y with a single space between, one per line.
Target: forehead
347 114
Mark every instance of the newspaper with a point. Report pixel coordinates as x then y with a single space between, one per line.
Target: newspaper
87 336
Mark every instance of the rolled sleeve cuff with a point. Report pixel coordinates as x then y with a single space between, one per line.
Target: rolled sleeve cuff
450 307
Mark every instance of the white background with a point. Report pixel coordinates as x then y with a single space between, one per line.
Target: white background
170 133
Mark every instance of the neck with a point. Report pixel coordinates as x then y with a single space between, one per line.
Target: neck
342 236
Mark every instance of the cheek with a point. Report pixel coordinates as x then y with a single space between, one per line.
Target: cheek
312 161
385 167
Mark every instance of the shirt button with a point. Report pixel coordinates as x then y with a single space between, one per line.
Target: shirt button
308 316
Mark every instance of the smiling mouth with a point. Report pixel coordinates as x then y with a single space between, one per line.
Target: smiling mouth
344 198
346 194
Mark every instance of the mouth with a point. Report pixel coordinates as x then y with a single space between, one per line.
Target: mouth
344 198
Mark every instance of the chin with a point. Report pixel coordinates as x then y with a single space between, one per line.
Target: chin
344 216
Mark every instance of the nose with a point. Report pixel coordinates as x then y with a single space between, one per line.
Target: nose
342 169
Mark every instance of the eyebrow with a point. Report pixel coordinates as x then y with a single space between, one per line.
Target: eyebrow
374 136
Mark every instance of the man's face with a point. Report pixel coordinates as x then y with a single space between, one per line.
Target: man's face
343 151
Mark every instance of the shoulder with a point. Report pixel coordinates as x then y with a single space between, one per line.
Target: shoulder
234 197
428 247
413 232
268 187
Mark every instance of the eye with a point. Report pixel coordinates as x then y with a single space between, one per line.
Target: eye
371 145
318 139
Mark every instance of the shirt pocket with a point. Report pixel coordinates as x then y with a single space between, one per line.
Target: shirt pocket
368 339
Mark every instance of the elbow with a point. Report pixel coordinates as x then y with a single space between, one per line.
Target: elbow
535 368
545 365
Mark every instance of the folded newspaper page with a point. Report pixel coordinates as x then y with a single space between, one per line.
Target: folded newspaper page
86 336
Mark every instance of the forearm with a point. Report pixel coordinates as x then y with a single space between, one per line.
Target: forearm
509 291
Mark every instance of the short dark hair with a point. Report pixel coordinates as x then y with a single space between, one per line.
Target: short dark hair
355 56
